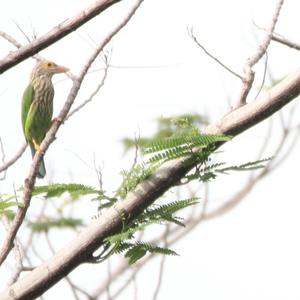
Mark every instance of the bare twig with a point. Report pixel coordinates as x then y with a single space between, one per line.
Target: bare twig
264 76
108 295
10 162
279 38
191 33
16 270
254 59
136 152
244 191
177 233
10 39
73 287
36 56
57 33
3 158
23 32
18 264
161 266
50 136
82 247
284 41
93 94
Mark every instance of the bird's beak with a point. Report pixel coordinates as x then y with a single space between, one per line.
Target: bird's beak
61 69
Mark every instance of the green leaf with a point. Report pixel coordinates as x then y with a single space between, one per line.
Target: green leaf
133 177
56 190
253 165
165 211
7 202
51 223
135 254
139 250
129 232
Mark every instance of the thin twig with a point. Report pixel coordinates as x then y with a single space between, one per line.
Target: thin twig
57 33
93 94
191 33
23 32
240 120
161 266
74 288
10 162
50 136
108 294
279 38
254 59
16 270
10 39
3 158
264 76
284 41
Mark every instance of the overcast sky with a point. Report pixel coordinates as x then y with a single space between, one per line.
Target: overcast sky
251 253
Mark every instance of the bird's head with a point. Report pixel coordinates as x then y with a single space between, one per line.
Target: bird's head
47 68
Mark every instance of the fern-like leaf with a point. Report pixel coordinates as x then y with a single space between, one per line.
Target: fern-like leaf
46 225
253 165
165 212
6 203
199 146
129 232
56 190
139 249
186 139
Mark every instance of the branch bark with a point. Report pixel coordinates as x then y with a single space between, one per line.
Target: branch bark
55 34
81 249
50 136
254 59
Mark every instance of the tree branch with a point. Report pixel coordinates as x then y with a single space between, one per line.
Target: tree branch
191 34
57 33
50 136
10 162
284 41
254 59
81 249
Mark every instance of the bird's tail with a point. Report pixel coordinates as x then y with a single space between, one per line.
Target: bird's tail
42 169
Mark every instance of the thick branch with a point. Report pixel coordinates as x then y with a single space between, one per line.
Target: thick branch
55 34
50 136
83 246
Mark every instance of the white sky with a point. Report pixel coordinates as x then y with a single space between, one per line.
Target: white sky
251 253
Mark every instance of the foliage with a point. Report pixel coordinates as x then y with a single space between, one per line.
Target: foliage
51 223
166 127
125 242
177 138
210 171
56 190
6 204
186 142
194 144
133 177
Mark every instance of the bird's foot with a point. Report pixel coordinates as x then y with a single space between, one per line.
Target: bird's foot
38 148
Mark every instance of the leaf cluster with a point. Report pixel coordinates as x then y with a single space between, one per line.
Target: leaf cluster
50 223
133 249
6 204
167 127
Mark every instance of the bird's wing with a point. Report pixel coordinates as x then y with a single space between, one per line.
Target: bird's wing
26 103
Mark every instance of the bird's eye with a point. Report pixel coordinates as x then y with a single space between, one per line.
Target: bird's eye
49 64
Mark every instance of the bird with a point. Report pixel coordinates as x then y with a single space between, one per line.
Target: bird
37 107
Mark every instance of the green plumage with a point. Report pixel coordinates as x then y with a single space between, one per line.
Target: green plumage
37 106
